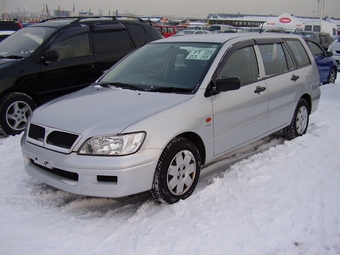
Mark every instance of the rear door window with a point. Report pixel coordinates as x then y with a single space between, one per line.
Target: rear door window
276 59
110 38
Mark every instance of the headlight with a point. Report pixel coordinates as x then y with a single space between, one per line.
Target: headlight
113 145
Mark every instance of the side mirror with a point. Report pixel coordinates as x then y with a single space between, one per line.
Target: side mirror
223 84
228 83
50 55
329 54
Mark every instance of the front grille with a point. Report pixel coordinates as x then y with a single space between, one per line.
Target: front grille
59 172
36 132
61 139
52 138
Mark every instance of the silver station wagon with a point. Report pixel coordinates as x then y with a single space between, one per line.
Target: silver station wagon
154 119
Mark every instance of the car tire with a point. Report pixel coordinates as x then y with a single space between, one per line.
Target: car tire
15 109
177 171
300 121
332 76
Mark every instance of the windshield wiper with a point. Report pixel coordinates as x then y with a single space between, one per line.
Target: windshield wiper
172 90
122 85
13 57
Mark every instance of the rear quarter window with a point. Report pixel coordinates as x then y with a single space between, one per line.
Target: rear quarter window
298 51
138 34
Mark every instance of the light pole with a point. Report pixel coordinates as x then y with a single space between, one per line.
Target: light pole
3 7
322 9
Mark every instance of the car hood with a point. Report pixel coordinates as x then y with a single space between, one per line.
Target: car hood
4 63
335 45
97 110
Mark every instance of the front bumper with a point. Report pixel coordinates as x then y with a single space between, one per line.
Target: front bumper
99 176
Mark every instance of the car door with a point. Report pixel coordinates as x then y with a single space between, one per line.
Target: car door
240 115
74 68
284 74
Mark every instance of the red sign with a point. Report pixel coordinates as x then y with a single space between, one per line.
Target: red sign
285 20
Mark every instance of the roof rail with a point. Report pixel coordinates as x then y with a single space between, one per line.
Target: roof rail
79 18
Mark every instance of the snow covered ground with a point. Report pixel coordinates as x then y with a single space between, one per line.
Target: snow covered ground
277 197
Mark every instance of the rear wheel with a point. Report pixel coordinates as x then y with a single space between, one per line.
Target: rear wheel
332 76
300 121
177 171
15 109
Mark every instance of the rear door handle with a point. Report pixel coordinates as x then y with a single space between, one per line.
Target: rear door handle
295 77
259 89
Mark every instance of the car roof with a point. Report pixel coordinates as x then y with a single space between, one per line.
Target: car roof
223 37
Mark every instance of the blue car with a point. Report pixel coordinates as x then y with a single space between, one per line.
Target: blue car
326 64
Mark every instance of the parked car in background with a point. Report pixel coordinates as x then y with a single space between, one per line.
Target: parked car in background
154 119
55 57
191 32
166 30
250 29
324 39
335 49
7 28
220 28
326 63
5 33
198 27
260 30
10 25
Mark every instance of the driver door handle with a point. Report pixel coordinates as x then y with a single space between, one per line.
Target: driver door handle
259 89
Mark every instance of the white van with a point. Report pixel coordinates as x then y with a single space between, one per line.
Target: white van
324 26
153 120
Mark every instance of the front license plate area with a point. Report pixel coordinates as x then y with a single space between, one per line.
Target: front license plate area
43 162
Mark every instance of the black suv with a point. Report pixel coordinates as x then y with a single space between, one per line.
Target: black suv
55 57
10 26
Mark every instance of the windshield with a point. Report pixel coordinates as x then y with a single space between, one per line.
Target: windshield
24 42
177 67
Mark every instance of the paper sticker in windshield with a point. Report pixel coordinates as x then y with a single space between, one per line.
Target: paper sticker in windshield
200 53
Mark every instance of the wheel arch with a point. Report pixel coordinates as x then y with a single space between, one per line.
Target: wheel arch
197 140
28 92
309 101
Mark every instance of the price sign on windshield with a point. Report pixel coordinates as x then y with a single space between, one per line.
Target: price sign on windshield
201 53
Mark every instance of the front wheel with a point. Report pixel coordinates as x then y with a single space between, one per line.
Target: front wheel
15 109
300 121
177 171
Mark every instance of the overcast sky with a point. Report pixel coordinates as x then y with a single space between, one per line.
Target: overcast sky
180 8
